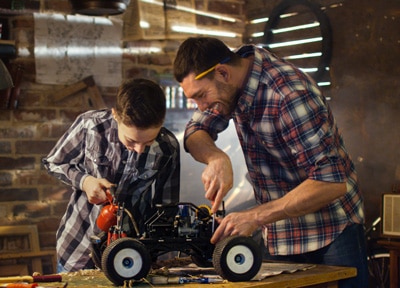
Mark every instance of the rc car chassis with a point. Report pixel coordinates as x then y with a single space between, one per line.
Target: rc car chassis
181 227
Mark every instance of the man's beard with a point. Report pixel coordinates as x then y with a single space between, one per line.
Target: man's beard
232 95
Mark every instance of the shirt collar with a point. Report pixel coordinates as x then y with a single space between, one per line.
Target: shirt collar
249 91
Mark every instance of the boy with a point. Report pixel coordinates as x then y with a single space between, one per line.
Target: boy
125 147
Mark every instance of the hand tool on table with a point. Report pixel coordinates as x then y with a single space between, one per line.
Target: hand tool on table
28 285
19 285
156 280
31 279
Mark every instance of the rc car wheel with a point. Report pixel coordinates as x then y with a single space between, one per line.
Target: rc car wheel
125 259
201 262
97 248
237 258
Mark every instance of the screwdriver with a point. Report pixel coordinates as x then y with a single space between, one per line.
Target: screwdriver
19 285
27 285
182 280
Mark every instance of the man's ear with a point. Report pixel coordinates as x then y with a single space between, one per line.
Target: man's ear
222 71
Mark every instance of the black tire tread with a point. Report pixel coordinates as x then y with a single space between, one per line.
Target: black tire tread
222 248
114 247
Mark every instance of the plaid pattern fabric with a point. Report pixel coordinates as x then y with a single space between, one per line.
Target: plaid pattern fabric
91 147
288 134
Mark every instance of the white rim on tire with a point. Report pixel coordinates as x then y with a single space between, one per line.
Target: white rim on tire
128 263
239 259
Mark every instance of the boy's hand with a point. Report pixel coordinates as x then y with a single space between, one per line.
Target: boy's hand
96 189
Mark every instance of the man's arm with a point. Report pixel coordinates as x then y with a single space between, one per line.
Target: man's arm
306 198
217 177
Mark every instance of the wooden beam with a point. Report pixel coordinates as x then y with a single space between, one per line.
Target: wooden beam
95 99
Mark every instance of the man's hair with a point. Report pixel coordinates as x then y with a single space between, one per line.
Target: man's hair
197 54
140 103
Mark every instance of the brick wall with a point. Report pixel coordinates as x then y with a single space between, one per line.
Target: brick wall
28 195
365 100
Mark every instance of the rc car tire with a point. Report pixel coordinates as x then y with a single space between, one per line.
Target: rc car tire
98 249
237 258
125 259
201 262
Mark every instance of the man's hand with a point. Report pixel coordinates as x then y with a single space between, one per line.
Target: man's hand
96 189
307 197
217 178
236 223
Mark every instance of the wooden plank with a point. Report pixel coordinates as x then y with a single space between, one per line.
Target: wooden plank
95 99
43 253
14 270
69 90
21 230
320 276
94 92
34 254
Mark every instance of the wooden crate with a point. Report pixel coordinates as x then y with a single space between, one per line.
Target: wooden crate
14 270
22 243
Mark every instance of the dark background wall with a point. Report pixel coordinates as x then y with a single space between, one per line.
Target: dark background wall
364 91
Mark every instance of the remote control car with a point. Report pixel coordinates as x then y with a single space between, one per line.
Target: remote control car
182 227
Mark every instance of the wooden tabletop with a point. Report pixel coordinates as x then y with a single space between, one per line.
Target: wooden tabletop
318 275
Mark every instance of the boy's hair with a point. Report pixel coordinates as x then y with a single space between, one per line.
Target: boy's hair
197 54
141 103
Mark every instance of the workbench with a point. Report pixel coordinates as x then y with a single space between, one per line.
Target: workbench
318 276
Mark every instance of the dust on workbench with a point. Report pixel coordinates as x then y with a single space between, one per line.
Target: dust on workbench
96 278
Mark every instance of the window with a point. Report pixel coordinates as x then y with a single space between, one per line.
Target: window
298 31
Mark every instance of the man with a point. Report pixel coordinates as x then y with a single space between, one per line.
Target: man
310 207
125 147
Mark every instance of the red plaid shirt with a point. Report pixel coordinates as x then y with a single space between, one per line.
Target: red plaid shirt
288 134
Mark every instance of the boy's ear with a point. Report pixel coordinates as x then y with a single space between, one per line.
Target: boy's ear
114 114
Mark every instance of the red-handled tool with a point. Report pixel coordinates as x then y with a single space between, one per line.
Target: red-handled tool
108 214
31 279
19 285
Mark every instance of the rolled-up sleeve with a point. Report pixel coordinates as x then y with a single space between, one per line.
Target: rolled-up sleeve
311 137
209 120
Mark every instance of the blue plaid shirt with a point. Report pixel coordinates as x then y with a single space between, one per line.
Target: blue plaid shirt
91 147
288 134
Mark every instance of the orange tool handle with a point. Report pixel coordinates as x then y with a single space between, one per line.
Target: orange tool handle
109 197
20 285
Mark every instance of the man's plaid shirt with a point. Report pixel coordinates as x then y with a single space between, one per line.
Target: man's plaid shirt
288 134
